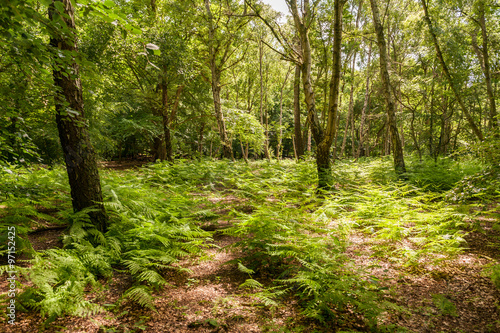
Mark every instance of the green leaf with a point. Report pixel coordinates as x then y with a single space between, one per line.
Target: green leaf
109 4
135 30
59 6
212 322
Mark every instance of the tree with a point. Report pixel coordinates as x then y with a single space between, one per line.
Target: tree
323 139
477 131
220 50
397 149
79 156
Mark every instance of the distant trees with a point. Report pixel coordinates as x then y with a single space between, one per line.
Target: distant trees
347 78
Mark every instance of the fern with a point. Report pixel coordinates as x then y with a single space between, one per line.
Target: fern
140 295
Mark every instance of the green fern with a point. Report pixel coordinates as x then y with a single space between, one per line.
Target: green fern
140 295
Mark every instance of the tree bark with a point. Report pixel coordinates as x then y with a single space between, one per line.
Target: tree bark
445 135
468 116
280 137
227 148
323 139
399 163
299 145
79 155
349 113
200 139
493 122
263 121
169 119
365 104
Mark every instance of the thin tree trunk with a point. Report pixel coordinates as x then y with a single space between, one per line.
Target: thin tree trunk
263 121
79 156
468 116
168 120
200 140
299 145
294 148
493 122
278 149
347 121
431 114
216 88
445 136
266 119
399 163
414 135
368 139
245 157
365 103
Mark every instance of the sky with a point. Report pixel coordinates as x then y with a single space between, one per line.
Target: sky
278 5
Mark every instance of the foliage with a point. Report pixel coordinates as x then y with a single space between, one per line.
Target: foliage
147 235
245 128
289 234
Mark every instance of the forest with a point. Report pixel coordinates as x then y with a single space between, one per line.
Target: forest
249 166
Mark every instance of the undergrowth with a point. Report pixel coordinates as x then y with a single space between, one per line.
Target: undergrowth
295 242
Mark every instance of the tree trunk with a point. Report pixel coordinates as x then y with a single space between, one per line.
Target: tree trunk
493 122
323 139
349 115
159 151
200 139
399 163
169 119
227 148
299 145
431 116
243 153
475 129
445 135
263 121
365 104
280 138
414 135
166 143
79 156
266 120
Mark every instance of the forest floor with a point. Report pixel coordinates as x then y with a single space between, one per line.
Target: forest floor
453 295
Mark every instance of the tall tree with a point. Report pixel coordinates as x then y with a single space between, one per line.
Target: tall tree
79 156
477 131
397 149
323 138
222 36
299 142
493 121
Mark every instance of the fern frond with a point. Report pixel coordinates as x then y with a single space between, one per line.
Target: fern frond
140 295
